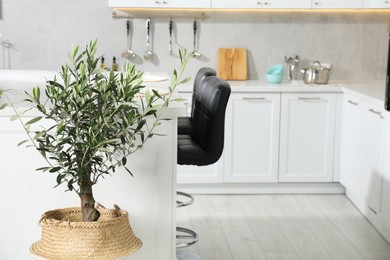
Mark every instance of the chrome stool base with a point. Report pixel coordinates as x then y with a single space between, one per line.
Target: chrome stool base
190 200
185 237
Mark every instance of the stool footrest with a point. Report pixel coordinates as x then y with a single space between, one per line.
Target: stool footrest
190 200
186 238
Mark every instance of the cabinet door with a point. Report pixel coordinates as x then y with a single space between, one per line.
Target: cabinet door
325 4
286 4
160 3
372 181
353 145
385 203
236 4
252 138
134 4
185 3
307 137
377 3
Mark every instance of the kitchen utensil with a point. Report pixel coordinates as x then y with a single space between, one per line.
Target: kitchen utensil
148 53
275 74
292 66
232 63
195 52
170 36
129 54
316 74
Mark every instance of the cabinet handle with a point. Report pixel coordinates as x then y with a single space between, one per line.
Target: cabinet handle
266 3
254 98
316 3
165 2
158 2
353 103
309 98
258 3
386 2
376 112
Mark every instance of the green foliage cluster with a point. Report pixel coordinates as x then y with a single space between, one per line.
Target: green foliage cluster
97 118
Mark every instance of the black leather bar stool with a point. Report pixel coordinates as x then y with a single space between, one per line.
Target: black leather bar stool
204 145
185 123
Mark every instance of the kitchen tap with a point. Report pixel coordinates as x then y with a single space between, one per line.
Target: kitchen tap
292 66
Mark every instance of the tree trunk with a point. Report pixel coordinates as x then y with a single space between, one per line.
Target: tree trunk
88 202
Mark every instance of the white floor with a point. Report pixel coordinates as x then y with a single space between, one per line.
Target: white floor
288 227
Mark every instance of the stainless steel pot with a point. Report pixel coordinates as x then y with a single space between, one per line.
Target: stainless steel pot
316 74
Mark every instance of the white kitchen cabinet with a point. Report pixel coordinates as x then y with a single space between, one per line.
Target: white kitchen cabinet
384 215
286 4
353 145
199 174
252 138
234 4
362 152
307 135
160 3
256 4
337 4
372 182
377 4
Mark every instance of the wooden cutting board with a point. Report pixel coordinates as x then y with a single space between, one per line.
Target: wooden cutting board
232 63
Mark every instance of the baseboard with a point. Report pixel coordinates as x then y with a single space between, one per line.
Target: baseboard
263 188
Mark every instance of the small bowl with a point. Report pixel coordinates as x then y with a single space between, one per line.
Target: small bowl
275 74
275 78
277 69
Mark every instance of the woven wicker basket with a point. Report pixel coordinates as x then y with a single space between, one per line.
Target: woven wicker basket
65 236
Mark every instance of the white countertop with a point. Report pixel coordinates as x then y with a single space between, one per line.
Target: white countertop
374 89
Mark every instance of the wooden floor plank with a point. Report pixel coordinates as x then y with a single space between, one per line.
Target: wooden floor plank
281 227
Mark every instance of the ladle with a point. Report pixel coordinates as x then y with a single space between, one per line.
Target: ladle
129 54
195 52
148 53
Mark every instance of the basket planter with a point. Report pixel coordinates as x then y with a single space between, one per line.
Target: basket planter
65 236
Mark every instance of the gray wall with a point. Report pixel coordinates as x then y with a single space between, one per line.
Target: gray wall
44 31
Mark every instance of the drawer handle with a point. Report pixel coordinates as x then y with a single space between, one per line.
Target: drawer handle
386 2
266 3
309 98
353 103
316 3
258 3
376 112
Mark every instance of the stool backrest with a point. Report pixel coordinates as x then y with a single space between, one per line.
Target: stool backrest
197 89
208 121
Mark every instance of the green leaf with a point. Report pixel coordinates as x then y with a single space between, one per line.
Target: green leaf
124 160
129 171
55 169
60 128
36 93
14 117
3 106
34 120
23 142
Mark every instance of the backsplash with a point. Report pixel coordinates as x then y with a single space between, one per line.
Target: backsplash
43 34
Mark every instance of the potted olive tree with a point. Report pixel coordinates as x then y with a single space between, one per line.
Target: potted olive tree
96 120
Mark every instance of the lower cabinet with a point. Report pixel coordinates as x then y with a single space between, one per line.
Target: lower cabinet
384 216
307 135
271 138
362 152
252 138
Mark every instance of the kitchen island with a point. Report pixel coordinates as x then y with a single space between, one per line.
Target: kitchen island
149 196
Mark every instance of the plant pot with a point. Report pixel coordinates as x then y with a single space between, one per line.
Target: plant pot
65 236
